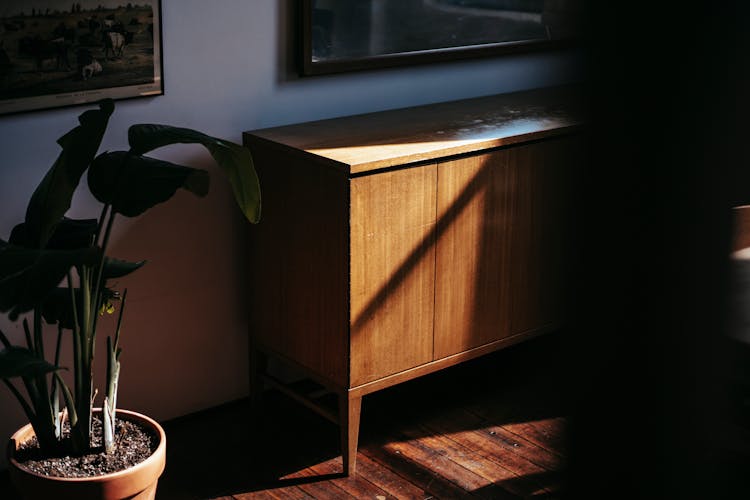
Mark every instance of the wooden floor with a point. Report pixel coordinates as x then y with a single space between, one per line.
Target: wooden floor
443 436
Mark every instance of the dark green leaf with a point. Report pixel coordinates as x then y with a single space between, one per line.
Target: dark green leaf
27 275
19 235
132 184
20 362
58 308
235 160
115 268
52 197
69 234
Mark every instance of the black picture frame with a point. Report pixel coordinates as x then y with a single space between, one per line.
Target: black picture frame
316 24
78 52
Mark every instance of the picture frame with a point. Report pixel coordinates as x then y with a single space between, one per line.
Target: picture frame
352 35
57 53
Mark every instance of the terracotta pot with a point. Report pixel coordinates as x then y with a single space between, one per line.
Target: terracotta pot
137 482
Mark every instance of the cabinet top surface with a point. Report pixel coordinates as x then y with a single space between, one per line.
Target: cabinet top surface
372 141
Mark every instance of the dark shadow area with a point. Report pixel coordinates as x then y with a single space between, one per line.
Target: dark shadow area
6 489
230 449
534 484
668 161
524 382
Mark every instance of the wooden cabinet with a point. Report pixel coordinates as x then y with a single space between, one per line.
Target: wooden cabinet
395 244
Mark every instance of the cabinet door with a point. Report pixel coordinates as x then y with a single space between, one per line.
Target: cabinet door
472 285
502 221
541 230
392 271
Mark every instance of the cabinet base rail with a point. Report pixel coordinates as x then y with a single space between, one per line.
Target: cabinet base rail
346 408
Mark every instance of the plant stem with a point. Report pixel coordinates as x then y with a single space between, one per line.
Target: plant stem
38 340
4 340
48 408
119 318
59 345
27 332
98 284
77 373
54 395
81 433
72 413
100 224
25 405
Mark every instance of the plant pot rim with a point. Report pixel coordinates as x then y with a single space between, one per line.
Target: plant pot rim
155 460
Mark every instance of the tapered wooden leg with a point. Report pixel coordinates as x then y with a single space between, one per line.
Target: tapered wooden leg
349 411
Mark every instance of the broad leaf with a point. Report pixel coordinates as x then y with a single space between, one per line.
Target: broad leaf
58 307
20 362
27 275
52 197
116 268
132 184
69 234
235 160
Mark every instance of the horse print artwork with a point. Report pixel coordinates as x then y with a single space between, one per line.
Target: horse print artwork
59 52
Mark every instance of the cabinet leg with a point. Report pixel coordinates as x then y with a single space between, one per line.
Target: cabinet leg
349 411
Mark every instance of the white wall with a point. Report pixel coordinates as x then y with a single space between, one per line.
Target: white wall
225 70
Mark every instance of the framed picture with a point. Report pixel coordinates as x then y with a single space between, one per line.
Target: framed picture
57 53
348 35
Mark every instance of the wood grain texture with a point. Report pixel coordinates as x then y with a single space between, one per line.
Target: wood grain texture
349 413
540 235
392 272
443 363
473 263
373 141
299 264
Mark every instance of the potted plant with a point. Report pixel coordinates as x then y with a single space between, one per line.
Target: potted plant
55 275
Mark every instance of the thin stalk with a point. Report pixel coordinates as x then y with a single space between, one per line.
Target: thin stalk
77 373
119 318
58 345
57 356
4 340
113 375
100 224
27 332
33 392
72 413
55 391
38 340
98 284
49 408
24 404
85 310
81 432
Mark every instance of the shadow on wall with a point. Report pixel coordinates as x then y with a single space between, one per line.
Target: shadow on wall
186 305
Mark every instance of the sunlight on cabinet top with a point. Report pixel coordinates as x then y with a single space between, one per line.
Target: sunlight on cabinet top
384 139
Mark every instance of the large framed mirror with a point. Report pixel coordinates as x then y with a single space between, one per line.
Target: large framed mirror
349 35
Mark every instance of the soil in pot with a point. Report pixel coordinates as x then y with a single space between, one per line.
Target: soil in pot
134 444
